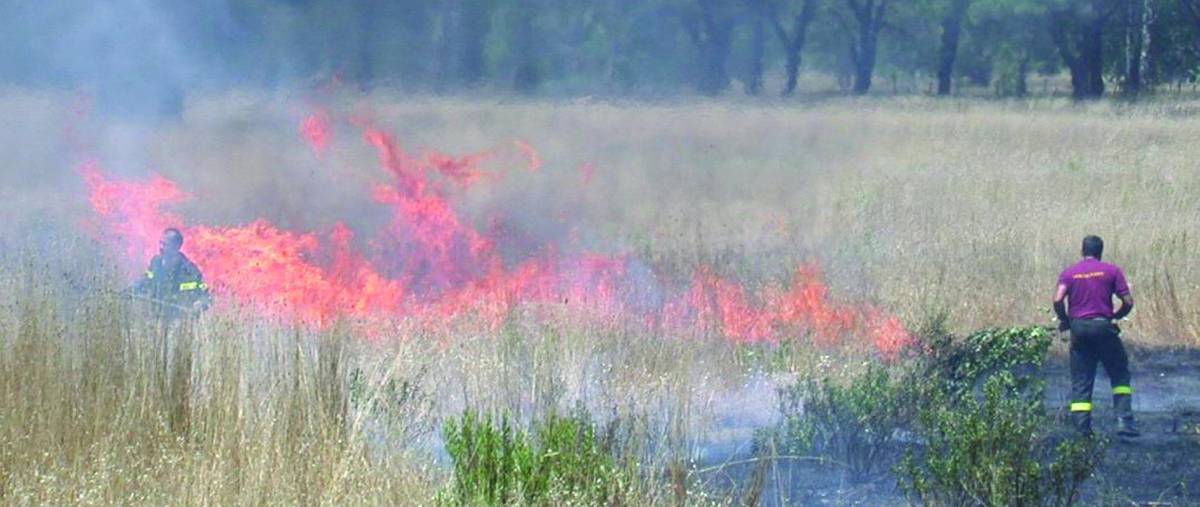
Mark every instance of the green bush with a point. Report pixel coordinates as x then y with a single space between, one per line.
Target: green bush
488 458
559 461
987 437
979 433
851 423
958 367
995 451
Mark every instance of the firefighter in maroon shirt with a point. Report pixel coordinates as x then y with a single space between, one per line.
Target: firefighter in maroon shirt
1084 305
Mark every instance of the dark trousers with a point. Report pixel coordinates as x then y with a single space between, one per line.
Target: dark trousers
1098 341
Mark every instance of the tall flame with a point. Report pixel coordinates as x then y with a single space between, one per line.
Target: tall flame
432 267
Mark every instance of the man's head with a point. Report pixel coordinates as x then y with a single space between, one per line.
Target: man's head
1093 246
171 241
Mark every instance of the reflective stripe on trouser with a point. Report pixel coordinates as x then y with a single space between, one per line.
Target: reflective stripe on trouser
187 286
1081 406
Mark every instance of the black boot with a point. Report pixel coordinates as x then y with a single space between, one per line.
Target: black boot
1123 406
1082 421
1127 427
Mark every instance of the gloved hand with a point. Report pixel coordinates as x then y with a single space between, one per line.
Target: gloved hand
1064 325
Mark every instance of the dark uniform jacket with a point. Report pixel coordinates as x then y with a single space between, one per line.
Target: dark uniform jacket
175 281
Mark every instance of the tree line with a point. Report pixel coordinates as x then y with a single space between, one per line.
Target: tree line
621 47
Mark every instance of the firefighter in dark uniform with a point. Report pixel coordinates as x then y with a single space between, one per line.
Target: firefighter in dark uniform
172 280
1084 305
177 292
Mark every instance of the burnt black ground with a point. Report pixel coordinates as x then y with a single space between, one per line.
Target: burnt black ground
1162 467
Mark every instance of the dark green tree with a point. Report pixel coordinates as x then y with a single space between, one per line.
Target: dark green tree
862 21
952 22
792 40
709 24
1077 27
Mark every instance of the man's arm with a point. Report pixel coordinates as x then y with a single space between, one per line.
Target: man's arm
1121 289
1126 307
142 285
1060 307
192 284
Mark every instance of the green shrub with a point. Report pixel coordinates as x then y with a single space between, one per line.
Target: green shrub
958 367
987 437
851 423
559 461
488 456
995 451
972 406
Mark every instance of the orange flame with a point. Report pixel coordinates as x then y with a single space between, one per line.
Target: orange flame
316 130
434 269
132 210
535 160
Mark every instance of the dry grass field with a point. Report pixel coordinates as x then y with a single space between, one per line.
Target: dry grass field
962 209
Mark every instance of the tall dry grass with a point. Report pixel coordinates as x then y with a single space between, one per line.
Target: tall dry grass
106 405
98 412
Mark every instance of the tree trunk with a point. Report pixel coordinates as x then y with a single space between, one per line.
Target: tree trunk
1133 47
793 45
758 42
1023 77
417 66
793 74
1061 32
1145 68
713 35
474 24
527 77
1081 44
864 69
951 29
368 16
716 75
864 60
863 50
444 72
1093 58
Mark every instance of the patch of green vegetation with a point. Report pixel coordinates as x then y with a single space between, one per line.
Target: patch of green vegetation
985 437
560 460
850 423
959 366
965 414
995 449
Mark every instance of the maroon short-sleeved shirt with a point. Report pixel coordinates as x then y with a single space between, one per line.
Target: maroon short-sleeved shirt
1091 285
